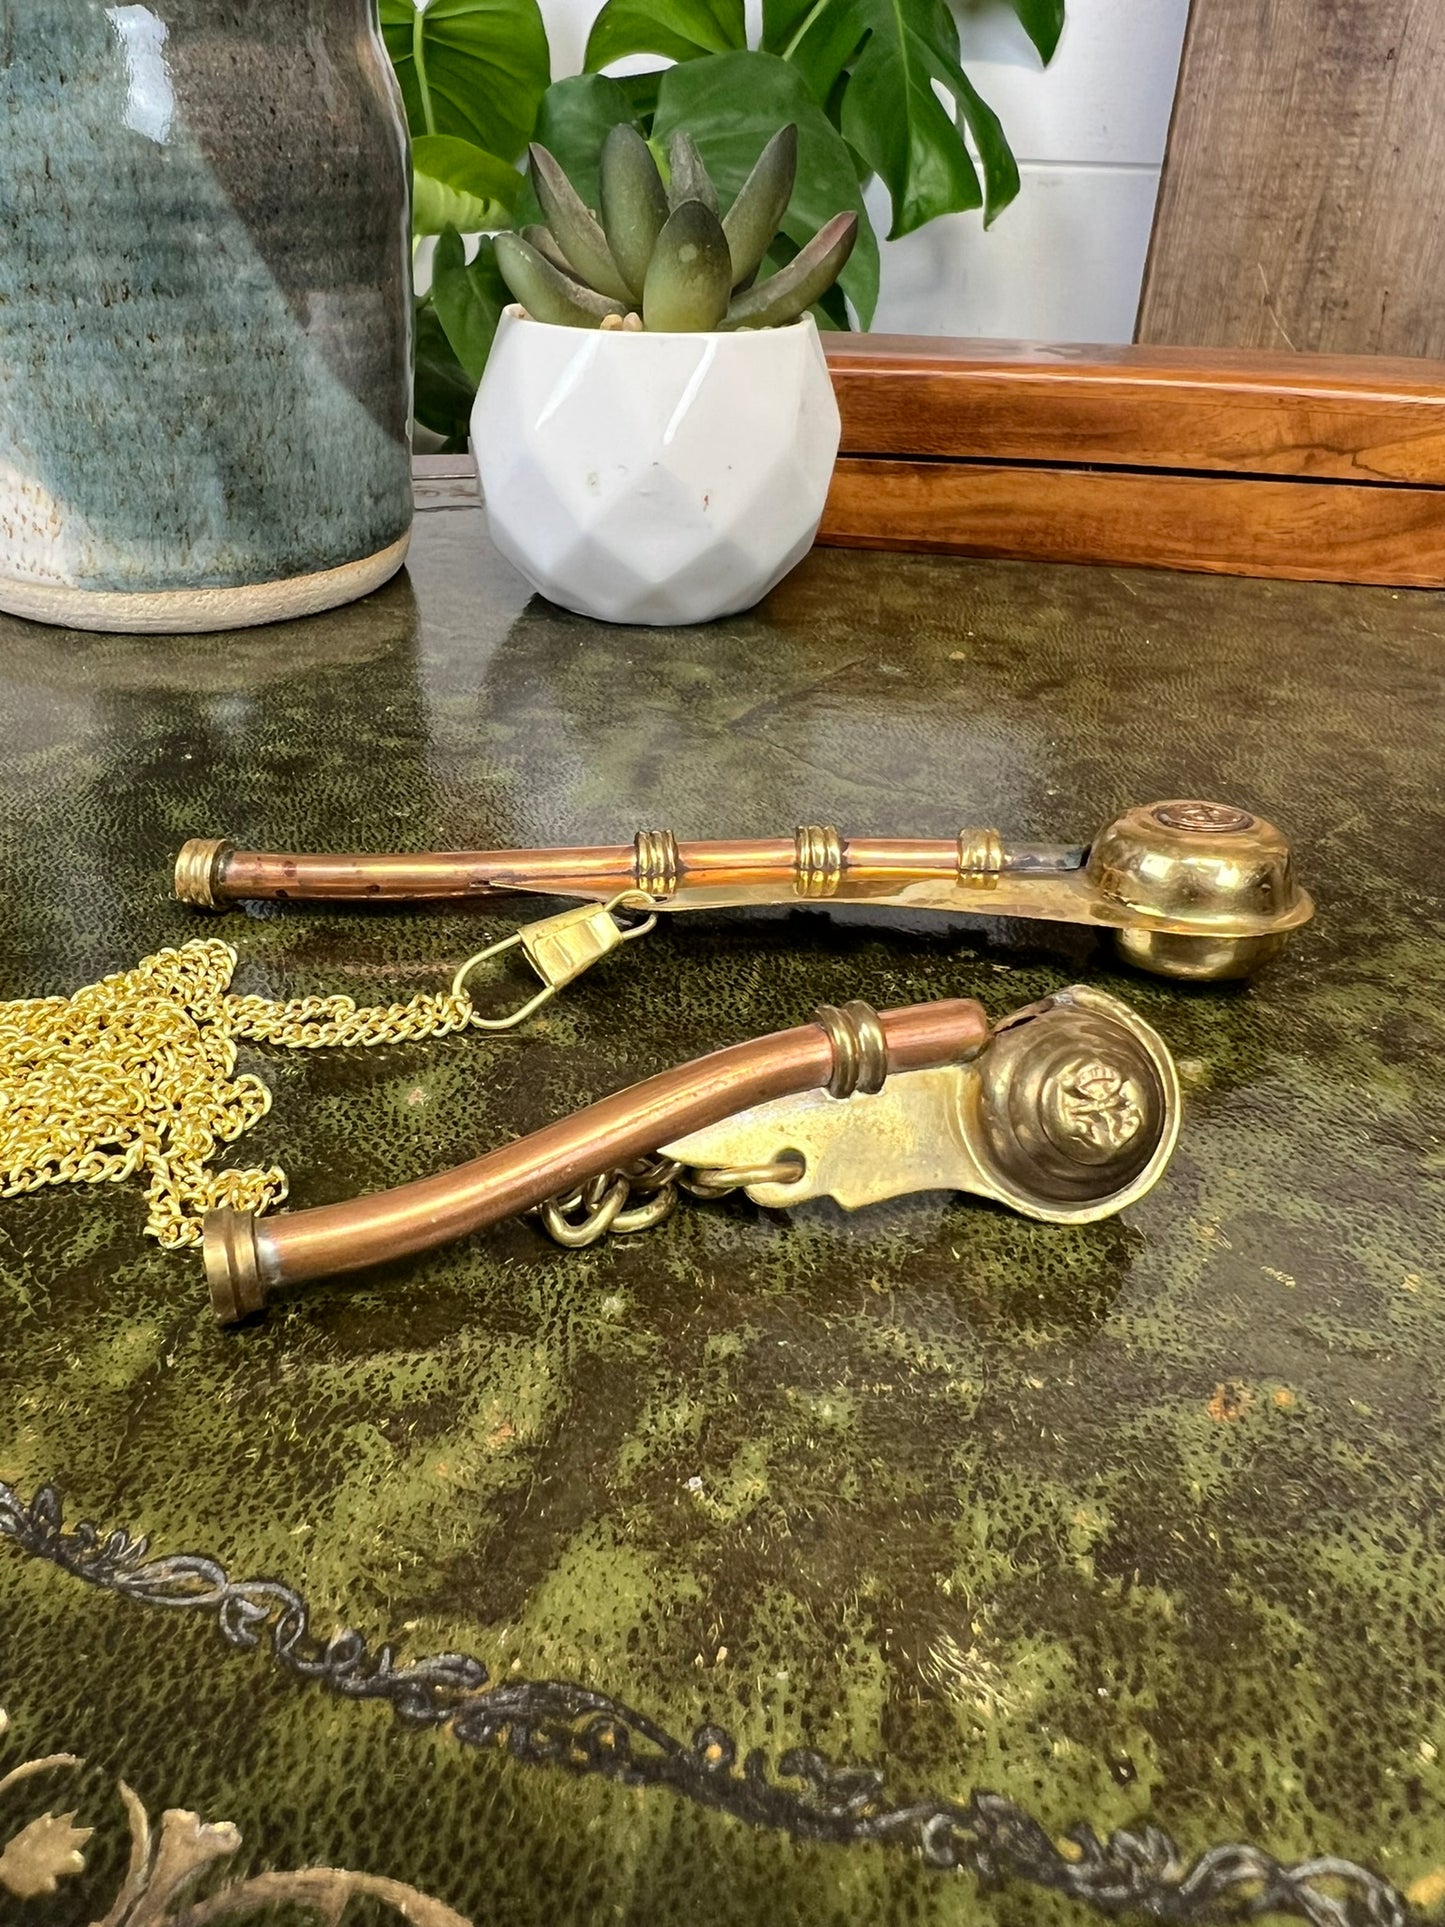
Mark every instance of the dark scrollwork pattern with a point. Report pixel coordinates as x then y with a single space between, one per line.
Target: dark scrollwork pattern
555 1723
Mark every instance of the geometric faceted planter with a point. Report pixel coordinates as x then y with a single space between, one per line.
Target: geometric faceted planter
654 478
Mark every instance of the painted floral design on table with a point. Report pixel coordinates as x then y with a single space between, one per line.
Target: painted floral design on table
167 1866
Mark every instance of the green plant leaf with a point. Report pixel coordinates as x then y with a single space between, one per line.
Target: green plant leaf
456 184
732 104
469 297
575 228
762 201
1043 22
575 118
641 92
806 279
873 64
676 29
1000 169
540 238
545 292
688 179
821 38
476 69
830 310
443 393
895 120
690 275
634 203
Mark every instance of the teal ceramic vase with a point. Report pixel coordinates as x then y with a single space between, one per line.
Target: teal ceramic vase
205 311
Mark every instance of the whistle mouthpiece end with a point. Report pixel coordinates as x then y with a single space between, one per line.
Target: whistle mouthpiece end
198 870
233 1265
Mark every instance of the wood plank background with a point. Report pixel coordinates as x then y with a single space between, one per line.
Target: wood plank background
1300 206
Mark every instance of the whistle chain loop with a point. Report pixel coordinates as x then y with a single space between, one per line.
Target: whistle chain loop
643 1193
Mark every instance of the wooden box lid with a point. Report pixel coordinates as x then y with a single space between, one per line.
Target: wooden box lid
1238 462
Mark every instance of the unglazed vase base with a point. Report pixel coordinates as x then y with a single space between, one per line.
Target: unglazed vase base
188 612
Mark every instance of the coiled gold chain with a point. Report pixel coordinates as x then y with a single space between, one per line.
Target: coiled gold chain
137 1073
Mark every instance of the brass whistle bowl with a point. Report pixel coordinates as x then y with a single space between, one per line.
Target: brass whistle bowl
1208 890
1075 1109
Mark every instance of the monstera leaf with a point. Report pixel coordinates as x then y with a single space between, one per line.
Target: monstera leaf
677 29
732 104
444 390
576 117
469 297
475 69
874 62
1043 22
456 184
872 66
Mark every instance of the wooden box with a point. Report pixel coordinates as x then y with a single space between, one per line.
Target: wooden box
1237 462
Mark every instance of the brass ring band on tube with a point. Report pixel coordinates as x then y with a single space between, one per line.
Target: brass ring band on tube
980 854
197 868
860 1048
656 864
233 1267
817 859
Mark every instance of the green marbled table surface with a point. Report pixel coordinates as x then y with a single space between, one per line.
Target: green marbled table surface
1136 1525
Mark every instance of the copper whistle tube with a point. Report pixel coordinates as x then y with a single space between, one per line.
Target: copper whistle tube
247 1256
212 873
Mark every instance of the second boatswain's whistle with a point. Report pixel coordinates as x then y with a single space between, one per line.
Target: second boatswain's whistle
1186 889
1067 1111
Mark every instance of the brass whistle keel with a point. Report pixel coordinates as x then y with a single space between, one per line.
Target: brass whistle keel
1068 1111
1186 889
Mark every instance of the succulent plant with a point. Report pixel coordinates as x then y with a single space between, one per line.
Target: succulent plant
664 257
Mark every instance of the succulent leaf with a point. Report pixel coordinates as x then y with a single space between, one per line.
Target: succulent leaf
634 203
575 228
690 178
690 276
757 213
546 292
540 238
808 276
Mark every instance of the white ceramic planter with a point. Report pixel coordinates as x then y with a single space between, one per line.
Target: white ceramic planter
654 478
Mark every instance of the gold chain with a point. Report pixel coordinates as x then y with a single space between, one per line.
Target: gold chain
137 1073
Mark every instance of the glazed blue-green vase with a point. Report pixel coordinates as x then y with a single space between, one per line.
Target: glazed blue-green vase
205 311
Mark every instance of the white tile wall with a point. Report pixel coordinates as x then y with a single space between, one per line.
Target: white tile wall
1107 94
1065 261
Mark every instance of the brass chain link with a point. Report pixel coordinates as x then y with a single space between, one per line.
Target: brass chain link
644 1193
137 1073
